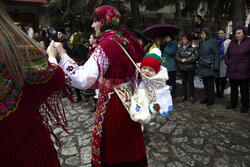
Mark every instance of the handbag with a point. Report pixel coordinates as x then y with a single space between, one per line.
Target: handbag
206 62
143 97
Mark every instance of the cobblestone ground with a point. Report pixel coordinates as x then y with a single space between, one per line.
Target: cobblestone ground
191 135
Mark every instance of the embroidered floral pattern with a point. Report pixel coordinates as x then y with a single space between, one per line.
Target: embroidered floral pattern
71 67
38 71
9 103
100 111
111 17
104 96
101 59
125 92
110 25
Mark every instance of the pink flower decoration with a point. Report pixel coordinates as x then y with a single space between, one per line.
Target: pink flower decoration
3 106
9 101
14 91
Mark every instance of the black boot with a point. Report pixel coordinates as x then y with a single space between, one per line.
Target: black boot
94 109
230 106
210 103
218 85
78 93
70 90
192 100
221 94
217 94
204 101
223 86
183 98
244 108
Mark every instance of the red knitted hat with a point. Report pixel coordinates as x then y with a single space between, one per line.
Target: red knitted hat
152 59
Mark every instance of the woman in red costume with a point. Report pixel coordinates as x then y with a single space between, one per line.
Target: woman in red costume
29 99
117 140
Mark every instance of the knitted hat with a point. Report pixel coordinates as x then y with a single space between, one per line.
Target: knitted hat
152 59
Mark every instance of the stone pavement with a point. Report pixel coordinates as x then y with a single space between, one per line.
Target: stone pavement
191 135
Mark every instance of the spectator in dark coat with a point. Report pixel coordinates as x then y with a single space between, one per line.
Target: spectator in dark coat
51 33
61 38
237 60
208 64
78 54
91 92
76 50
67 33
199 23
168 61
145 43
186 58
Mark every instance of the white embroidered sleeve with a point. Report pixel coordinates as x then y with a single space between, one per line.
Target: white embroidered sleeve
83 77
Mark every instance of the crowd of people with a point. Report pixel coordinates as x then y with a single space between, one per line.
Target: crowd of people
33 83
75 45
198 53
187 58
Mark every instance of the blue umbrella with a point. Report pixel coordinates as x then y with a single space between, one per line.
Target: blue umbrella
160 30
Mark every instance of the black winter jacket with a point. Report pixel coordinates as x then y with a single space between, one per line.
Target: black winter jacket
191 54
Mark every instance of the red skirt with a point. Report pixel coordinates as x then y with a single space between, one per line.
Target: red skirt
35 150
123 143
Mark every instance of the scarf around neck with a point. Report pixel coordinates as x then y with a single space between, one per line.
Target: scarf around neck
221 43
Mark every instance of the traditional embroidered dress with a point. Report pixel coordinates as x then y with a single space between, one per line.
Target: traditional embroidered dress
25 112
117 140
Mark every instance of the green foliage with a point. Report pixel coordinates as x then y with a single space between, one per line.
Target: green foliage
222 11
75 14
191 6
219 10
156 4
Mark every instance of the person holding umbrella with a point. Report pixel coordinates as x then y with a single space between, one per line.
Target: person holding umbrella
170 48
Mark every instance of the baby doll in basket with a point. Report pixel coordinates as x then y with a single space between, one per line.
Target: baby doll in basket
151 93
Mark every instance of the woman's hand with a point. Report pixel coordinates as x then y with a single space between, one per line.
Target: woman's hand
59 47
52 52
184 60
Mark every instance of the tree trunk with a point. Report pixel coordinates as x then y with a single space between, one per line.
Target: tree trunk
135 14
178 22
239 13
70 23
